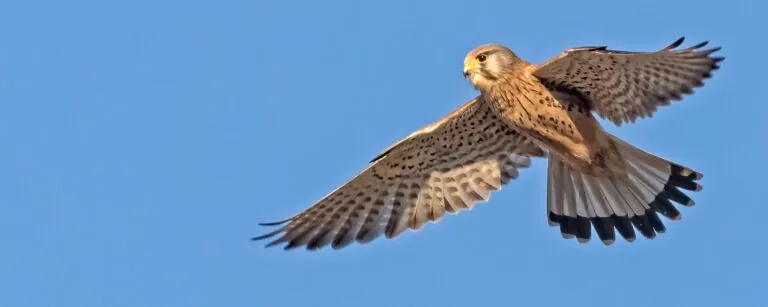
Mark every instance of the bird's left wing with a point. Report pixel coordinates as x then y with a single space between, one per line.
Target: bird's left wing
447 166
623 86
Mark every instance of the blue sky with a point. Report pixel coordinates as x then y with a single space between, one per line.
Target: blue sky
142 141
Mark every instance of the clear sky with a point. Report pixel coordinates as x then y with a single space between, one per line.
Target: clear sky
142 141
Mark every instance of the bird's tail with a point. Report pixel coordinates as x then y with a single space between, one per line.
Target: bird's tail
578 201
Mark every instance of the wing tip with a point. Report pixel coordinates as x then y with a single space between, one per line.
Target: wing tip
267 236
273 233
276 223
700 45
676 44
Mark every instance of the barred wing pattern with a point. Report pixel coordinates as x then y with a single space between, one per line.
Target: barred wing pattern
447 166
623 86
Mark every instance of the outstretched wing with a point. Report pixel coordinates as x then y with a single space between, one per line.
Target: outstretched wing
447 166
622 86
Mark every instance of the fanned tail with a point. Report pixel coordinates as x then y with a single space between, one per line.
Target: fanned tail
578 201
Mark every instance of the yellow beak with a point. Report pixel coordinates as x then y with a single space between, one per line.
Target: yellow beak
469 67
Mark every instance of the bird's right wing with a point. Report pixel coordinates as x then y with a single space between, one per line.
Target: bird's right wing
623 86
449 165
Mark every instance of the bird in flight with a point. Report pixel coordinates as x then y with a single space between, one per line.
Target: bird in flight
595 180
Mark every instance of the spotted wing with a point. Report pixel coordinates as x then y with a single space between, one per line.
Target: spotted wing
623 86
447 166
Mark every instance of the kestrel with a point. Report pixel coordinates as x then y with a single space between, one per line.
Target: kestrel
524 110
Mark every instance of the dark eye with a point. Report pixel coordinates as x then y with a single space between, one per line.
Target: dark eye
482 58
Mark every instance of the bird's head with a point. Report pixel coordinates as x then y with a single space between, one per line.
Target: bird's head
487 64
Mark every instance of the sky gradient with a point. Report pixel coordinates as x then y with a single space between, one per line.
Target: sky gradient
142 142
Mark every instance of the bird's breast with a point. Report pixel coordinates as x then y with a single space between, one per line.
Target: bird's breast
561 123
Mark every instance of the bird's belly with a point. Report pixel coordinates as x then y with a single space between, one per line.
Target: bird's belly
577 155
569 134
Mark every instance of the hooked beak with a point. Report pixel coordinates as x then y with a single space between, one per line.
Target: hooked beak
469 68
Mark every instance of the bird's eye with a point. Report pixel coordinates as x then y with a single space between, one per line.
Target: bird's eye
482 58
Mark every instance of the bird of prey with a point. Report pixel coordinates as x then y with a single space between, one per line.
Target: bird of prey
524 110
